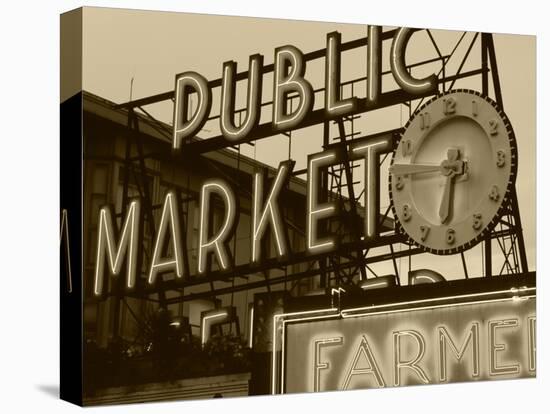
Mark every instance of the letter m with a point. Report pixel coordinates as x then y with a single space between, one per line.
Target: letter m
445 340
115 253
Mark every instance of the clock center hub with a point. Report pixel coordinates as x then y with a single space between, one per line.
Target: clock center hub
452 166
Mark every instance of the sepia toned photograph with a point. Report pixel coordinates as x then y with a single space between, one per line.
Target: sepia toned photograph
255 206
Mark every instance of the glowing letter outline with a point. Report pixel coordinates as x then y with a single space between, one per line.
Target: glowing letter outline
371 151
316 212
128 242
184 127
399 67
494 348
374 64
445 338
532 342
219 243
208 320
64 235
254 100
169 219
334 106
318 365
271 213
290 56
373 369
412 364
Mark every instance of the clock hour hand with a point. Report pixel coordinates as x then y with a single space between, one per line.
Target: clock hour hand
404 169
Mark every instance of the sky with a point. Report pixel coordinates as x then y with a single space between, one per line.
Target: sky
152 47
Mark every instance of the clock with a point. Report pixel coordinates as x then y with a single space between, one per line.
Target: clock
452 171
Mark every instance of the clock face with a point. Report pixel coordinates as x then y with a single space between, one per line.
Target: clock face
452 171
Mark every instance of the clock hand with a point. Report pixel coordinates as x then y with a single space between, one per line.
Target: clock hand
450 168
444 208
404 169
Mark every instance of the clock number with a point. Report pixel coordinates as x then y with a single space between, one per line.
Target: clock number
494 193
399 182
449 106
424 120
474 108
407 147
493 127
501 158
450 236
424 230
476 221
407 212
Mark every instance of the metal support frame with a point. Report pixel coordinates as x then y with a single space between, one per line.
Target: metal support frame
489 65
351 258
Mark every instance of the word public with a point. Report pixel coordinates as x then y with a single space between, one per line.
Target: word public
116 247
289 70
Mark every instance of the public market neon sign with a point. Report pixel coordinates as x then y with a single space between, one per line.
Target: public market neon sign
114 246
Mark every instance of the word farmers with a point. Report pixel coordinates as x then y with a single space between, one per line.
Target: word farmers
289 79
118 246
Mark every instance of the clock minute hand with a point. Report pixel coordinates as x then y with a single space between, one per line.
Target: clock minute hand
404 169
451 167
444 208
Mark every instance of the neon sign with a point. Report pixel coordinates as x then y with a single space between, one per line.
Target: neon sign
493 337
289 77
266 217
289 80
